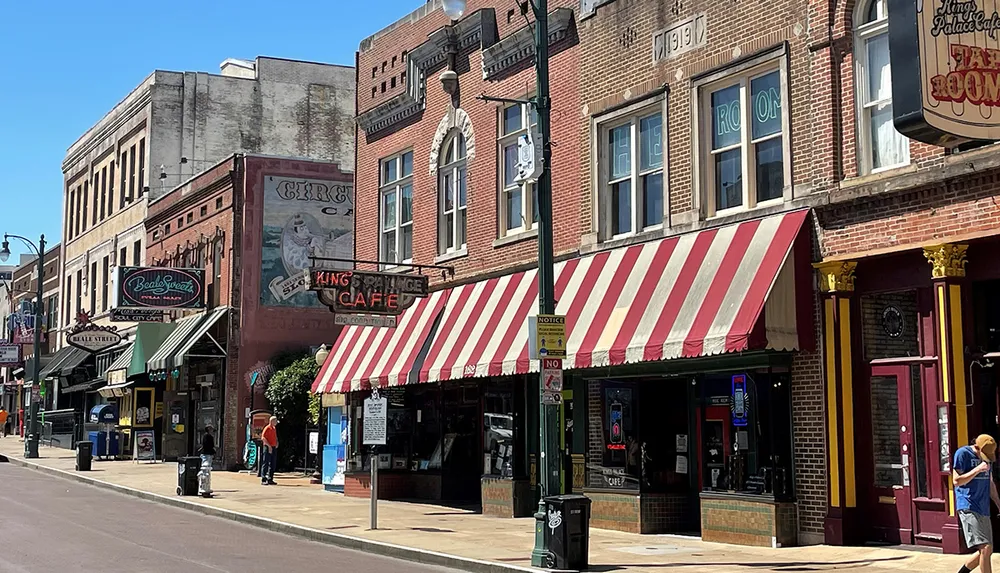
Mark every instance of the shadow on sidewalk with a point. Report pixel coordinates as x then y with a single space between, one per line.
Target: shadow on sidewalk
792 566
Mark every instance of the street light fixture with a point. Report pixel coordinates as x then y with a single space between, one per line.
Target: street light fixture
31 442
454 9
321 355
549 457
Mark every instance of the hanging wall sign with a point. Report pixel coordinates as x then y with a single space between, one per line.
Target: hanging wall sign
136 315
365 292
91 337
740 405
10 354
159 287
945 64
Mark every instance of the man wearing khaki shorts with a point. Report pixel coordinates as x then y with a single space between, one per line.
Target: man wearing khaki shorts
974 488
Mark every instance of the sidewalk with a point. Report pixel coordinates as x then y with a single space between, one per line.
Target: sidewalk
420 532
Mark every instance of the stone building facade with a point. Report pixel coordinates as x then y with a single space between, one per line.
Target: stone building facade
172 126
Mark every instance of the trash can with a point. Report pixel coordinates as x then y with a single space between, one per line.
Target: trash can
567 531
84 456
187 475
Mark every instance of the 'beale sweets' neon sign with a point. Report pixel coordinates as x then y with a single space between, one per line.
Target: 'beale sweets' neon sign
363 292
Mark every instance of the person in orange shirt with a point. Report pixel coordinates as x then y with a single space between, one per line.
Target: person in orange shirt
270 438
3 423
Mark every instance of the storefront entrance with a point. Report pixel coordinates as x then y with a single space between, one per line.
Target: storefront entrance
897 434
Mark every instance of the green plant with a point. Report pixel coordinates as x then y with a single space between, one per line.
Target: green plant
288 393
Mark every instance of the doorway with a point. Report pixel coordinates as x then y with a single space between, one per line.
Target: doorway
898 453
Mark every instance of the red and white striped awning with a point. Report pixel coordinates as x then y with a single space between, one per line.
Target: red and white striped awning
697 294
365 355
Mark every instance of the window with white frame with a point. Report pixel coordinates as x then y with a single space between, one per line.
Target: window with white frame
452 194
880 146
633 172
746 151
518 204
396 190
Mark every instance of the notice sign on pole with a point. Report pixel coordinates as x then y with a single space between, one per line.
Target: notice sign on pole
374 421
547 336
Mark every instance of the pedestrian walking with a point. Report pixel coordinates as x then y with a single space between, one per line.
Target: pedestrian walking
974 488
3 422
270 439
207 455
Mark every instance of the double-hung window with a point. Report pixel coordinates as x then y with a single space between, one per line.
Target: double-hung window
396 190
880 146
633 173
747 146
518 205
452 194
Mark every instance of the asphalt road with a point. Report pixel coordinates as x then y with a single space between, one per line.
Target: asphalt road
48 524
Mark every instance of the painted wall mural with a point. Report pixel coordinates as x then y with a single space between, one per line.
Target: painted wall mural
303 218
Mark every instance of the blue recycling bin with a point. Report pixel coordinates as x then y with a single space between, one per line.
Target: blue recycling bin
106 444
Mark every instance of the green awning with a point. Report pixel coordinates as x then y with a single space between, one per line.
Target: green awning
149 337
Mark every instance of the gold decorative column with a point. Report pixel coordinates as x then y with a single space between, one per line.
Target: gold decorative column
948 272
837 286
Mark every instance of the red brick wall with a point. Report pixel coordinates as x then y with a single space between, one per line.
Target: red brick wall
617 68
932 199
418 133
257 333
266 331
201 192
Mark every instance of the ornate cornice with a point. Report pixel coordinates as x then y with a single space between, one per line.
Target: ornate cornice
520 45
589 7
479 28
837 276
947 261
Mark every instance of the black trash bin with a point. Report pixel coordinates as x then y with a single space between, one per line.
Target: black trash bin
567 531
187 475
84 456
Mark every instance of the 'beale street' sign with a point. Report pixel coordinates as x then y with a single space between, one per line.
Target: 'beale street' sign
91 337
365 292
160 287
945 61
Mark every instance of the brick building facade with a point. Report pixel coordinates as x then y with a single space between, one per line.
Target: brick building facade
239 221
639 208
907 240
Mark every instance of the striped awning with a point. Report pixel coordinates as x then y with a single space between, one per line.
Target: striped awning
365 355
162 359
699 294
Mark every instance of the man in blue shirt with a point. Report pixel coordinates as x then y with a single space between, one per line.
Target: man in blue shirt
974 488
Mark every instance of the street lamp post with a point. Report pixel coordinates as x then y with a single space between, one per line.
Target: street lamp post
317 476
549 454
31 442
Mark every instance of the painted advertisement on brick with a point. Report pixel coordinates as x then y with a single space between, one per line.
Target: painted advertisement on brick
303 218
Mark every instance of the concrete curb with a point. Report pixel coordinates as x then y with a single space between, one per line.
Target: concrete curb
337 539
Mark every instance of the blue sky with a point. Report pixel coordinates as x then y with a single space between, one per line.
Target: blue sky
62 70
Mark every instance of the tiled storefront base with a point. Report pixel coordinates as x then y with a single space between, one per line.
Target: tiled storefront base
747 521
508 498
394 485
641 513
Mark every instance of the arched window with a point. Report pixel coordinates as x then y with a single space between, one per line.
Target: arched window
452 191
880 146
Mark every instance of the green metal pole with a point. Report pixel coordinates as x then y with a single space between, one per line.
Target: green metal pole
31 444
548 459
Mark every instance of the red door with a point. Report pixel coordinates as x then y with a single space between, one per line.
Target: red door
893 454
